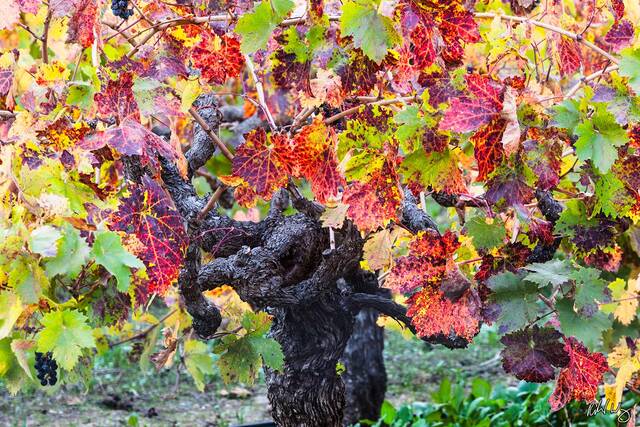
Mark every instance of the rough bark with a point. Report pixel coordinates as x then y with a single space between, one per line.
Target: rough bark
365 376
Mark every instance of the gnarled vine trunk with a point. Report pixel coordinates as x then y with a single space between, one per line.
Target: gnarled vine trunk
316 294
365 376
309 392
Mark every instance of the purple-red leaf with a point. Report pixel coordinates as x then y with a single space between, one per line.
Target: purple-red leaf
533 354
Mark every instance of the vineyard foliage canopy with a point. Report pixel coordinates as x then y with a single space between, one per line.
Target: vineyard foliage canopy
519 120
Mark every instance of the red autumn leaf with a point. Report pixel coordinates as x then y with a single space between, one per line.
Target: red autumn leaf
438 318
374 203
264 161
117 100
424 52
488 149
509 257
486 89
620 35
430 257
617 6
149 214
359 75
217 57
469 113
580 379
531 354
607 260
315 148
460 25
83 25
130 138
440 88
508 187
569 56
544 159
634 136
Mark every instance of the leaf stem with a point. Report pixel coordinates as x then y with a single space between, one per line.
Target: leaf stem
574 36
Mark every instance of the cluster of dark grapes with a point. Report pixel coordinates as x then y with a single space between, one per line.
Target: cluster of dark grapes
119 8
46 367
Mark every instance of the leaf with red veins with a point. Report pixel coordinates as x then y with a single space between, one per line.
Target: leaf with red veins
620 35
488 149
316 160
6 80
149 214
217 57
466 114
264 161
462 26
84 25
533 354
545 160
580 379
117 100
243 194
436 317
430 257
568 55
423 50
374 203
130 138
405 71
487 89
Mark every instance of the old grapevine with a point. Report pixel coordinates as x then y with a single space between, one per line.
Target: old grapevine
261 174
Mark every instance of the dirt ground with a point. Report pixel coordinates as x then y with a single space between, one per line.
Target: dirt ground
121 395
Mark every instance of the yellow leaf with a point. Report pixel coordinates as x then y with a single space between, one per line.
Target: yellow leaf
622 357
189 91
55 71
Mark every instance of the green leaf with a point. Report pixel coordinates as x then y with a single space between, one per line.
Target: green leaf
486 232
28 280
13 376
371 32
256 27
516 298
72 254
597 139
409 130
270 350
242 357
240 361
612 198
108 252
555 272
630 68
589 290
65 334
43 240
198 361
567 115
587 330
11 308
81 95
